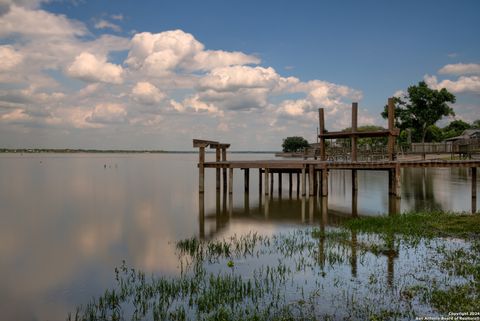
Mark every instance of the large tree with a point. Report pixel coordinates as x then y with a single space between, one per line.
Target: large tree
294 144
422 108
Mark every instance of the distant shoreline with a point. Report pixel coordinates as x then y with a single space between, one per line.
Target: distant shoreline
112 151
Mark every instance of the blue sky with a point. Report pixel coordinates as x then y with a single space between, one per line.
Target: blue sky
76 73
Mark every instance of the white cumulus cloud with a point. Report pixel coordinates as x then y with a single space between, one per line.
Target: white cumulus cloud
161 53
108 113
90 68
460 69
461 85
146 93
9 58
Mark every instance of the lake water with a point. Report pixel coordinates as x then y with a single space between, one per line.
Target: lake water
67 220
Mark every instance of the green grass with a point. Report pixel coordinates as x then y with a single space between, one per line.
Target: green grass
421 224
253 274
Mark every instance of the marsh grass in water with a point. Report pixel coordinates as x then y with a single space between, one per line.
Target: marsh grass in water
368 269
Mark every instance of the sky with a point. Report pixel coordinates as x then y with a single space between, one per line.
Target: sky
147 74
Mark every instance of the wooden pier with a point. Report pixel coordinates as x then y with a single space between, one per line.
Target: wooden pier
315 171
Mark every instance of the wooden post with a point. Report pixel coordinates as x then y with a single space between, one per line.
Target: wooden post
230 180
354 180
267 187
201 215
474 189
354 130
290 184
391 126
217 159
324 182
224 159
271 183
354 204
303 182
280 183
201 169
311 173
391 181
246 180
321 123
398 183
298 184
260 182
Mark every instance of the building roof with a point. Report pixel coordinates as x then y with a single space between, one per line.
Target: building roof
467 134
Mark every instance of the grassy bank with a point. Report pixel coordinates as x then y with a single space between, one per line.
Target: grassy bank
421 224
367 269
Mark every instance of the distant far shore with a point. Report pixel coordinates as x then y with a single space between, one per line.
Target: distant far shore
115 151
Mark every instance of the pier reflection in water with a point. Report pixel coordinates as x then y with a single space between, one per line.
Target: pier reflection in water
297 210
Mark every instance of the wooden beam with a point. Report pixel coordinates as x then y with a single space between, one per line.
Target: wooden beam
203 143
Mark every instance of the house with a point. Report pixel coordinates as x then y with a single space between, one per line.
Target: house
467 134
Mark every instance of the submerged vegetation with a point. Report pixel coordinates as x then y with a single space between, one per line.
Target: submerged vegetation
366 269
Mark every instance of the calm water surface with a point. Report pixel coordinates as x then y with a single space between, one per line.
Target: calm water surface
68 220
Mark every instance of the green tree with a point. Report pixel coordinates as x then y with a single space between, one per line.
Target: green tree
294 144
476 124
422 108
455 128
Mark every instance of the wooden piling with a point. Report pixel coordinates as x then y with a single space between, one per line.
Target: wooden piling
217 159
303 182
324 182
267 187
474 189
354 180
290 184
230 180
311 173
246 174
271 183
280 183
298 184
201 169
398 183
260 182
224 159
